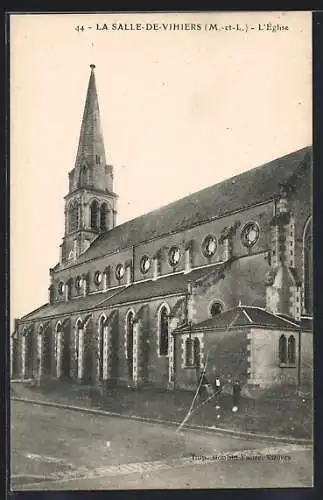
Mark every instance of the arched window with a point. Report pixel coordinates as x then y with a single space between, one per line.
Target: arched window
282 349
291 350
308 267
29 352
40 345
59 329
103 217
101 346
196 352
215 309
94 214
188 352
129 333
163 331
78 328
73 217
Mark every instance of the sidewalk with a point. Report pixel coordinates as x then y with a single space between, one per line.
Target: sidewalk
285 418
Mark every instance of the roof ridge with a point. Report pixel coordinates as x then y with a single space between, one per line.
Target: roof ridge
284 319
199 207
35 310
227 180
247 316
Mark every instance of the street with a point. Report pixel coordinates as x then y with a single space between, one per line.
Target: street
57 449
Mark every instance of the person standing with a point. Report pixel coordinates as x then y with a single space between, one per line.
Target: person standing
217 387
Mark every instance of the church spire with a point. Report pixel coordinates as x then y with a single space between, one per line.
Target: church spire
90 204
91 153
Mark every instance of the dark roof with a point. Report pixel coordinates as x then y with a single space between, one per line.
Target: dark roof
173 284
242 316
257 185
145 290
306 322
71 306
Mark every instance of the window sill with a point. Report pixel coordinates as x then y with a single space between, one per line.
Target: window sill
287 365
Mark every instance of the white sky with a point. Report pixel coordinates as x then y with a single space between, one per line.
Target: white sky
179 110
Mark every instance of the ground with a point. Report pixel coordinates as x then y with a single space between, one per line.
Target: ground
54 449
281 414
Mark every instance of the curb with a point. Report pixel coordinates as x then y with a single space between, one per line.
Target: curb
199 428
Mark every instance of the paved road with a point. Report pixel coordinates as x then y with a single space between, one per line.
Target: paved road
55 449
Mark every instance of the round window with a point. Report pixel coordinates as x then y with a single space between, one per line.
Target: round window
61 288
78 282
174 256
119 271
98 278
145 264
250 234
209 246
215 309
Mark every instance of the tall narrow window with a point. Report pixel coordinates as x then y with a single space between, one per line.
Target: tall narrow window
73 217
163 332
282 349
29 354
308 267
196 352
188 352
129 333
103 217
78 329
101 347
94 214
291 350
59 329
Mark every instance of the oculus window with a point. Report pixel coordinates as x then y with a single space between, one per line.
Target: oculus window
145 264
119 271
250 234
174 256
209 246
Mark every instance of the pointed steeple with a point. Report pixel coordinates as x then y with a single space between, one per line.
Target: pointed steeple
90 204
91 153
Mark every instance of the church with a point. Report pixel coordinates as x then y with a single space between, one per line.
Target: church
218 280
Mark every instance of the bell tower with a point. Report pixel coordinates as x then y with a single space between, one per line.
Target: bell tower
90 204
